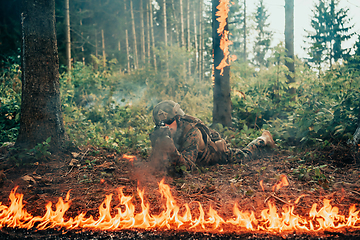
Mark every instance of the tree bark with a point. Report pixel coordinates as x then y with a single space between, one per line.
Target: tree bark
152 35
142 32
222 100
289 42
41 115
67 35
136 61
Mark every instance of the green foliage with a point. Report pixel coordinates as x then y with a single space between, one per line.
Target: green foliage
10 96
324 109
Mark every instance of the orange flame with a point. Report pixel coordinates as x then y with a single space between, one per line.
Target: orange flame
222 14
175 217
129 157
282 183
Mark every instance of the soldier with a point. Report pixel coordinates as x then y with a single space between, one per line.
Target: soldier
185 141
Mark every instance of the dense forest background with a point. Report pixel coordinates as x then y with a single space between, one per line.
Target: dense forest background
122 57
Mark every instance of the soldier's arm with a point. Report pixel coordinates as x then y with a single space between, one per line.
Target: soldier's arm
190 150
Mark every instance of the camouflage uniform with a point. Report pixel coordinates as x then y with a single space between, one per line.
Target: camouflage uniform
196 144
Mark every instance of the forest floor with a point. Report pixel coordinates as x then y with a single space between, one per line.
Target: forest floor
91 173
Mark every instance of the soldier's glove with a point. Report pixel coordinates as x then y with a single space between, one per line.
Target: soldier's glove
165 144
158 133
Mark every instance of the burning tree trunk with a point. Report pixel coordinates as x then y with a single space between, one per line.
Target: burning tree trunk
136 62
152 34
222 100
289 42
68 38
142 32
41 115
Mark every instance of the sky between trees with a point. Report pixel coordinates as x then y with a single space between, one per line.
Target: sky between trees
303 16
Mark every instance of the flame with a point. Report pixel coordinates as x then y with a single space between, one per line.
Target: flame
131 158
222 14
282 183
176 217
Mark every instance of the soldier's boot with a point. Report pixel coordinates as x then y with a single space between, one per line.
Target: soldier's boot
268 139
256 146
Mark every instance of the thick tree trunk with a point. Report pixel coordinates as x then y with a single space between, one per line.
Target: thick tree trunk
289 42
182 35
41 115
67 35
222 100
136 61
152 35
142 32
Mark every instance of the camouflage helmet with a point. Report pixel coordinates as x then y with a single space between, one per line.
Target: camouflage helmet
166 110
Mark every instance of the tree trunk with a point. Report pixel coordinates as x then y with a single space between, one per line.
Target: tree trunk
127 39
182 24
82 41
103 48
67 35
142 32
201 42
222 100
165 39
136 61
195 40
289 42
41 115
148 33
152 35
188 33
176 23
245 57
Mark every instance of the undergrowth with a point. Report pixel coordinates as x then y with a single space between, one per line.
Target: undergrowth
114 110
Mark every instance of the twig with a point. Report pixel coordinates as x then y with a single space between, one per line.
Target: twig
356 192
84 154
69 171
277 198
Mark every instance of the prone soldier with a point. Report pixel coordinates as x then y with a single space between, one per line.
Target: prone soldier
182 142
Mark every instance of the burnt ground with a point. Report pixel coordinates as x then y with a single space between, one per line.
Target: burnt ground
91 173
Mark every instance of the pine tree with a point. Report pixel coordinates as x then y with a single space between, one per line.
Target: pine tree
263 38
330 29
